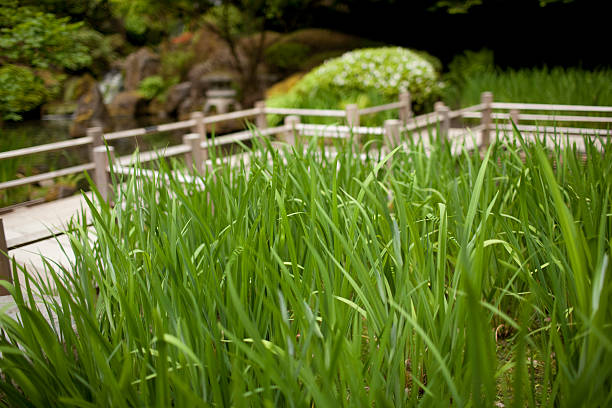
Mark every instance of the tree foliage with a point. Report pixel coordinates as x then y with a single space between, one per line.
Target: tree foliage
20 90
463 6
42 40
35 45
142 17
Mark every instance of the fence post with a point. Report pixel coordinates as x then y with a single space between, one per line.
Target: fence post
352 115
261 120
352 119
515 116
199 127
96 135
291 136
444 120
196 155
101 163
97 139
392 133
486 98
405 112
5 264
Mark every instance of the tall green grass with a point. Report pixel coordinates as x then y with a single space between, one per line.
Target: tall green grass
572 86
410 279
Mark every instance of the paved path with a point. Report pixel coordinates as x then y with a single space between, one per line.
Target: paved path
42 221
31 223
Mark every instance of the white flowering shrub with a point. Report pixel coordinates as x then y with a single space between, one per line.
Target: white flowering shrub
368 77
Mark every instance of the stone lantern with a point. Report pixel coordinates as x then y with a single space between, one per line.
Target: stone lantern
220 95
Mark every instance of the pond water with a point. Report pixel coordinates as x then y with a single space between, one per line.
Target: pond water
53 129
36 132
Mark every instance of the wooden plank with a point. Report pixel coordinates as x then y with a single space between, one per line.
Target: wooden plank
544 106
306 112
381 108
428 119
241 136
46 176
28 203
153 174
49 147
334 131
186 124
166 127
231 116
5 265
460 112
36 223
181 125
547 118
124 133
28 239
151 155
561 118
559 130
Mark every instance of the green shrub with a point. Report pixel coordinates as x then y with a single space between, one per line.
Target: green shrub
21 90
287 55
35 48
103 49
376 74
151 86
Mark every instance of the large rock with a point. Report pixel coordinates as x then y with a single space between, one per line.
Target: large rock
90 110
176 95
128 104
139 65
191 104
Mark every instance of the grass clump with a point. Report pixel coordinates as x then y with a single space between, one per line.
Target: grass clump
474 72
304 280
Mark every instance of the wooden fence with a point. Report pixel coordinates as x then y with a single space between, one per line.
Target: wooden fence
195 144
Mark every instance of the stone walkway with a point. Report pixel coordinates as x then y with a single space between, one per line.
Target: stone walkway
38 223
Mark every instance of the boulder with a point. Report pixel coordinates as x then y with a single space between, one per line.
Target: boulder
139 65
157 109
176 95
191 104
198 70
128 104
90 110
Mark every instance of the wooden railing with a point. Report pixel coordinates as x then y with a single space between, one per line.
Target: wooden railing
195 139
196 145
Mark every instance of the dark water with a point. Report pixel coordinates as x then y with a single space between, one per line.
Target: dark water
37 132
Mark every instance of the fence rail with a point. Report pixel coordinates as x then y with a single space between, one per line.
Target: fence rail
381 108
330 113
545 118
551 107
196 143
49 147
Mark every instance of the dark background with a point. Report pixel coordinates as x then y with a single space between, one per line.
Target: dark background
521 33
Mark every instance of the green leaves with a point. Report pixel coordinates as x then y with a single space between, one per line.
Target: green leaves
33 45
20 91
295 282
370 76
42 40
